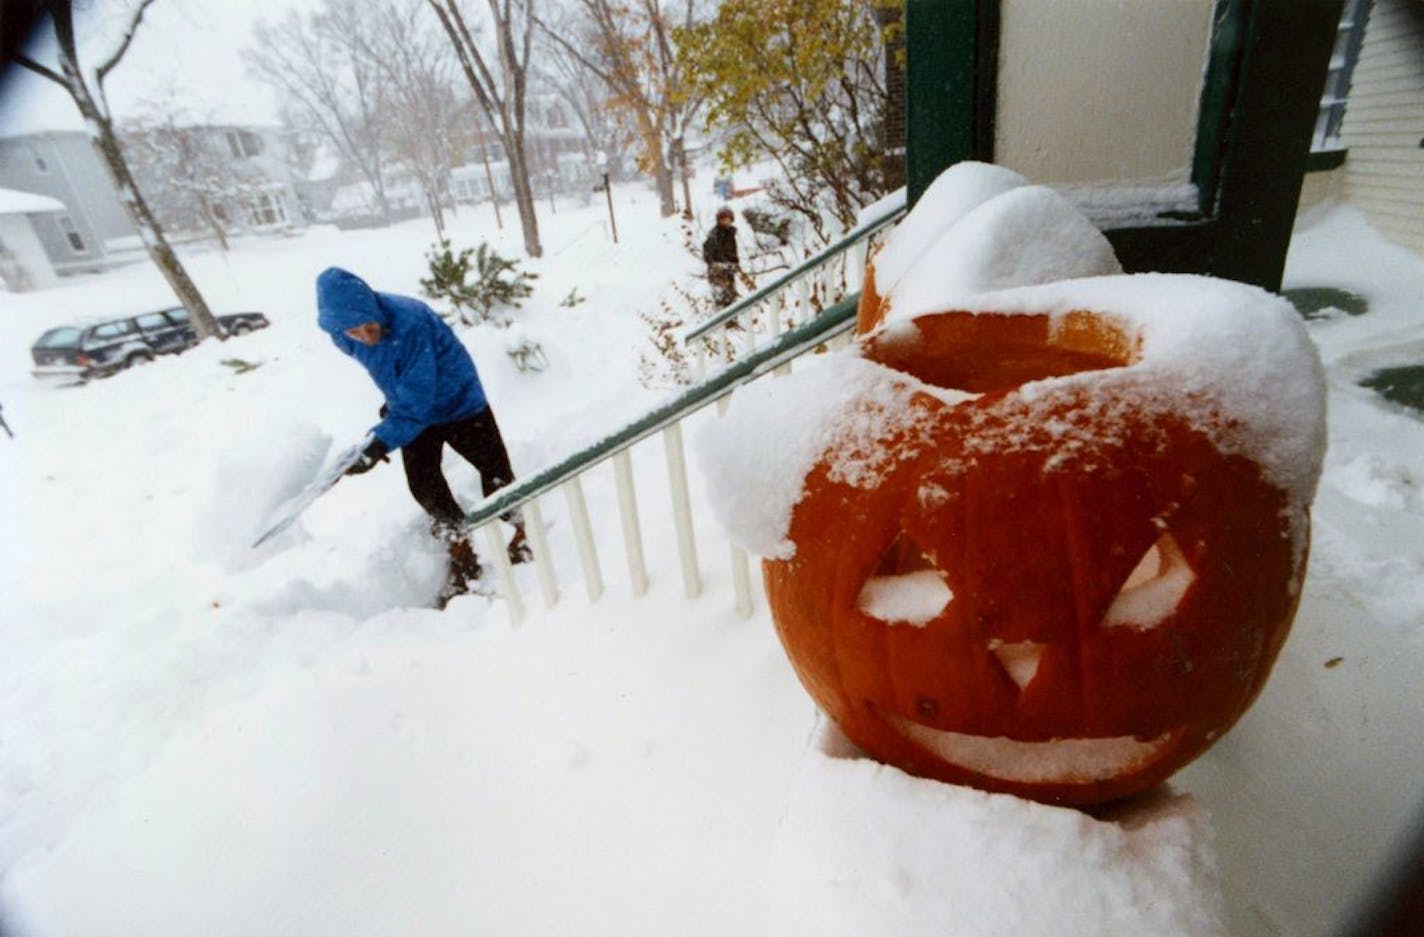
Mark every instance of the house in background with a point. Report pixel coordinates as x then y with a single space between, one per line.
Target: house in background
91 230
24 265
1368 150
201 177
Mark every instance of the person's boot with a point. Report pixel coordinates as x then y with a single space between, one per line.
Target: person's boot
519 550
464 571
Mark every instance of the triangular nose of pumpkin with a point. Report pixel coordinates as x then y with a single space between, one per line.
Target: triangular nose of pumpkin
903 556
1020 659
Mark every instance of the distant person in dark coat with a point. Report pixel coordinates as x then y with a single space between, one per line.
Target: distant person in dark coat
433 397
720 253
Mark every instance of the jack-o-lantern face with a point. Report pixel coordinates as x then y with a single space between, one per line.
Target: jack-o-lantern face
1069 610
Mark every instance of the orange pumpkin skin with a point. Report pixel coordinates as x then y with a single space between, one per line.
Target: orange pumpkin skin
868 313
1035 533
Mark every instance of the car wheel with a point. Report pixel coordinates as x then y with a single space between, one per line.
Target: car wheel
137 357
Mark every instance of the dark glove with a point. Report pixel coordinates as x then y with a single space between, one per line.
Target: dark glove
374 452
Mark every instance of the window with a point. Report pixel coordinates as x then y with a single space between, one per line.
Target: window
72 235
63 337
268 210
179 315
113 329
1337 80
152 322
242 144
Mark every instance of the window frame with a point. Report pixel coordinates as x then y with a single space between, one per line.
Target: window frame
1259 103
72 235
1344 57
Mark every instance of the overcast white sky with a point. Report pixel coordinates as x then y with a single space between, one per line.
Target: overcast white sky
192 45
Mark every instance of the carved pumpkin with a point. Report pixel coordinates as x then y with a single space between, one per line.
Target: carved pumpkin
1051 590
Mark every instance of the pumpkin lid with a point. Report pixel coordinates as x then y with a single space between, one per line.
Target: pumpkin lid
954 193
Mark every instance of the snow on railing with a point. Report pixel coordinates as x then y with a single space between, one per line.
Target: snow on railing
811 331
666 419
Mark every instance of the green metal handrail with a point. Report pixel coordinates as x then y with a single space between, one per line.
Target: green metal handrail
835 320
853 237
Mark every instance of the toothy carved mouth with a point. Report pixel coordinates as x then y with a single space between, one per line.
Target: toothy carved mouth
1074 761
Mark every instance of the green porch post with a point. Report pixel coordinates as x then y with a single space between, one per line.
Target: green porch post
948 79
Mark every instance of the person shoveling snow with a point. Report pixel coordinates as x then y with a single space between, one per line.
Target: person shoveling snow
433 398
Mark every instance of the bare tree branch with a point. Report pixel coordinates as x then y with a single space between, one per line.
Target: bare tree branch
25 61
103 70
501 96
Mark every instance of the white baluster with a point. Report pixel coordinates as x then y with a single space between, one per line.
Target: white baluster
632 531
741 577
543 558
583 536
682 510
494 538
741 581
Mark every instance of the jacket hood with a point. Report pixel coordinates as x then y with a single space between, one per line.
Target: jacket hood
344 301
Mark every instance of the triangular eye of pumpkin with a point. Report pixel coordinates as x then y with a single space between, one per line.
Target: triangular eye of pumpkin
1153 589
906 587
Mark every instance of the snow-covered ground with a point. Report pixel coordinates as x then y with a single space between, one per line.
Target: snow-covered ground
199 738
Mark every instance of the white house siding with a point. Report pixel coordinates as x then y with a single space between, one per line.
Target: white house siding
23 262
72 173
1384 124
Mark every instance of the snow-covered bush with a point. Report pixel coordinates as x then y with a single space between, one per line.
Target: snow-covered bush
498 281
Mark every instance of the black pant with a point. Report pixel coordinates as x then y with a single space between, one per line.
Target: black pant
477 439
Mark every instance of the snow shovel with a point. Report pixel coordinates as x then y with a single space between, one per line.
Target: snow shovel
293 507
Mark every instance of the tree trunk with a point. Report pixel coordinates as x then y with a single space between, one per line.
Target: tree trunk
681 146
489 179
667 202
437 212
662 175
523 195
205 208
101 135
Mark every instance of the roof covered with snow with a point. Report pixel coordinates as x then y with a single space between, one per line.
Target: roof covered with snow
15 202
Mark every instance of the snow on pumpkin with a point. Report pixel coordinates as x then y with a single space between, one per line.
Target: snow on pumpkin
1073 490
979 228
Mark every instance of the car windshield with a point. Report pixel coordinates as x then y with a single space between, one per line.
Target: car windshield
66 337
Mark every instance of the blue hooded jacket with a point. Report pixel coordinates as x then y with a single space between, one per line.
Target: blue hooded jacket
419 364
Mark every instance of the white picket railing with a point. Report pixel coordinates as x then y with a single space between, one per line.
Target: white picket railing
721 367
